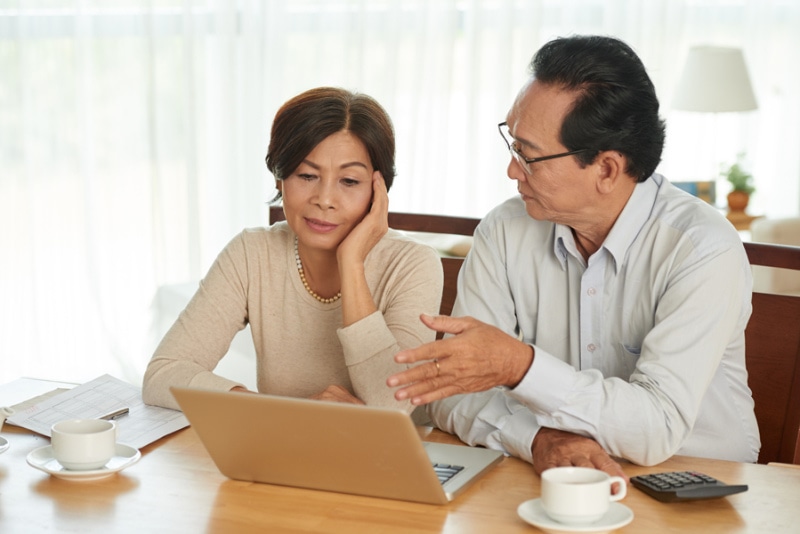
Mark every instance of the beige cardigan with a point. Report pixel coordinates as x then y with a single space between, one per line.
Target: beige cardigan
300 344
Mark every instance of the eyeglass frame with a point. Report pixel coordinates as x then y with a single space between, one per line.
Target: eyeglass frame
527 161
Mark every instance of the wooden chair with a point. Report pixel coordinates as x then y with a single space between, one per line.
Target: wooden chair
779 231
434 224
772 347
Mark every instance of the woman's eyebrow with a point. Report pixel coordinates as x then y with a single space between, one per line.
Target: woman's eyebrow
342 166
353 164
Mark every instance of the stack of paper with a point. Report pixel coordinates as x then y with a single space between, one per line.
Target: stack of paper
141 426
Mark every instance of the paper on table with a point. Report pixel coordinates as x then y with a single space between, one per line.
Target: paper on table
23 389
142 426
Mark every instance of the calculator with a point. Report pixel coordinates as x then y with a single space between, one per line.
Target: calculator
684 486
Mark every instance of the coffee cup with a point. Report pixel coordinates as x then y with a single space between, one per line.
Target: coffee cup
83 444
578 495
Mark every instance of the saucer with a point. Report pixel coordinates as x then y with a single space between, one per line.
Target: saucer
3 444
42 459
618 516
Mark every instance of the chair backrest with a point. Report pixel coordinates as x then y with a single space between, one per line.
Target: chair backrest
434 224
772 349
785 231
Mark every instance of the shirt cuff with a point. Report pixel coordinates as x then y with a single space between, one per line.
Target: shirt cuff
208 380
518 433
371 333
545 386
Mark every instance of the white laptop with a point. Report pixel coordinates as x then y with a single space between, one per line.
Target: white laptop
328 446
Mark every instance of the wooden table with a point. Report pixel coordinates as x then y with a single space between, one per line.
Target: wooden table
176 488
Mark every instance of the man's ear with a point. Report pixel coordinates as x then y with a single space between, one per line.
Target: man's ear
610 171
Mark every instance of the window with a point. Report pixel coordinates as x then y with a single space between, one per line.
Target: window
133 132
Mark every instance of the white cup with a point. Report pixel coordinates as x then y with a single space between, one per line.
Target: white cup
578 495
83 444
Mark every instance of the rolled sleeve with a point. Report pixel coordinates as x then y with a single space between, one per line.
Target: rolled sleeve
372 332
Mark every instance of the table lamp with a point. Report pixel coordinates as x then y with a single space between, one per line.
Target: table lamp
715 80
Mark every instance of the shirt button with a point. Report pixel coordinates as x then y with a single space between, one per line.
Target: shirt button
591 291
591 347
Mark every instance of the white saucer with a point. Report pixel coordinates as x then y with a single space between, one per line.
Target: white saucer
42 459
3 444
618 516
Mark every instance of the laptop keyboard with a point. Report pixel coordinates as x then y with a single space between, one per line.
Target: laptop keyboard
445 471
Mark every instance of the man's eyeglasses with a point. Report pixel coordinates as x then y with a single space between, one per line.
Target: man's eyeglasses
524 162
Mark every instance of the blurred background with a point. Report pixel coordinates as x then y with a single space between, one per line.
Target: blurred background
133 133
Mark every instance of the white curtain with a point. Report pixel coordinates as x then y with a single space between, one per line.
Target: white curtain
133 132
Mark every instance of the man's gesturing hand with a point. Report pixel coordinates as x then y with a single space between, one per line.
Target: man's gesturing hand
478 357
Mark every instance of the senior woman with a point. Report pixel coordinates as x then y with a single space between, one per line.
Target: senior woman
331 294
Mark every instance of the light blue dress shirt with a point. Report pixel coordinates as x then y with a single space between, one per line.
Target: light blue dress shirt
641 349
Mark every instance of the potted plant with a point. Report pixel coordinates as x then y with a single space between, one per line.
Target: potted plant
742 183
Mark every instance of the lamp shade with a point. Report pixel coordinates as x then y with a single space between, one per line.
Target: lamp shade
714 79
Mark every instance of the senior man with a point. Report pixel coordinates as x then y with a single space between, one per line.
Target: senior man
600 313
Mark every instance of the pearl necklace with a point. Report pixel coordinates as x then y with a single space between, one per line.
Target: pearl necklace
302 274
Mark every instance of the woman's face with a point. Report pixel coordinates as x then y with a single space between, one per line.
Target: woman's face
329 192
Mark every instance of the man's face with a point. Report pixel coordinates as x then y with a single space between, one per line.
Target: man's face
556 190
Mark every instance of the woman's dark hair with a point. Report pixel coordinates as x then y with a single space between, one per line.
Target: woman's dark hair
307 119
616 108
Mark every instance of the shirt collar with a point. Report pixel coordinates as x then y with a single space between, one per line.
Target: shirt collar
632 219
627 226
563 244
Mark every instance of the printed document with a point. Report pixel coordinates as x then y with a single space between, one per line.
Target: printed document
141 426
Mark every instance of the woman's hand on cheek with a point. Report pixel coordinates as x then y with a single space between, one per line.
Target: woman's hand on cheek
372 227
